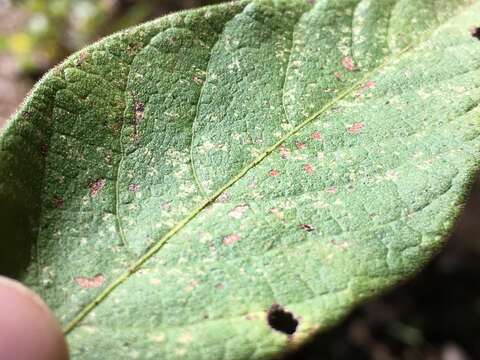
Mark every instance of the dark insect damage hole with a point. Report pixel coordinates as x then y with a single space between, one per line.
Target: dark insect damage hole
475 32
281 320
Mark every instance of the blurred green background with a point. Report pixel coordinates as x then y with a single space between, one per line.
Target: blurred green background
436 316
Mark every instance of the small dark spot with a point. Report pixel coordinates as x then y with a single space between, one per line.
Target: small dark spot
273 173
27 114
57 202
306 227
475 32
44 149
281 320
139 109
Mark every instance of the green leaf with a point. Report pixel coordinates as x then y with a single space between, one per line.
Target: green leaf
221 183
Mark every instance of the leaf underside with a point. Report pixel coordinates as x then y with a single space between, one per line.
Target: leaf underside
221 183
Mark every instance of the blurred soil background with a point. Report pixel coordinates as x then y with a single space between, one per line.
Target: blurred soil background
435 316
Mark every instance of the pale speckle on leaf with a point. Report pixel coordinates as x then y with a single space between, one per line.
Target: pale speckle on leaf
238 211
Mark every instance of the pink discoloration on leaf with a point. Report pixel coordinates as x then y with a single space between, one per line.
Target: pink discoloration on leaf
331 190
337 75
300 145
89 282
308 168
348 64
96 186
355 128
133 187
316 135
238 211
230 239
273 173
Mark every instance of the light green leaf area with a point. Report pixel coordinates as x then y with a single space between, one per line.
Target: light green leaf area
164 188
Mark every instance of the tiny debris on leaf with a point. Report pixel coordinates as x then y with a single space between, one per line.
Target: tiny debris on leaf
306 227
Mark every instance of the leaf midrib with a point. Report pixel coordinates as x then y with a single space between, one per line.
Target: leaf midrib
138 264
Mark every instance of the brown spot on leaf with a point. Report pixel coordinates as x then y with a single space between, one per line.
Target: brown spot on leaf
230 239
475 32
308 169
281 320
300 145
238 211
96 185
133 187
219 286
316 135
355 128
347 63
58 202
273 173
89 282
306 227
337 75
